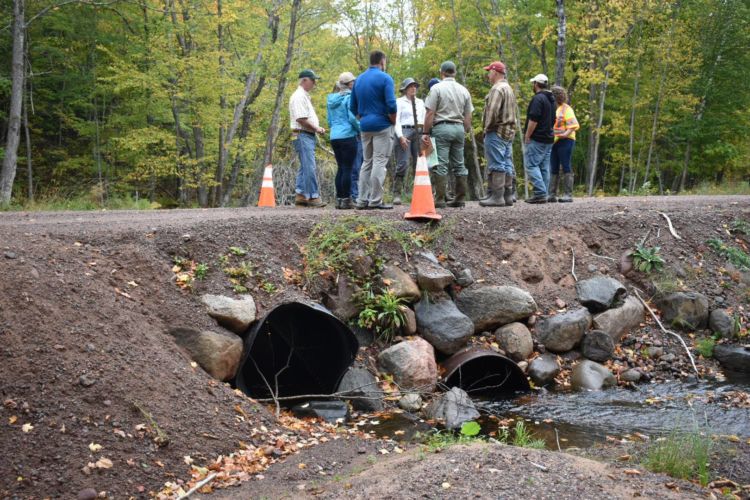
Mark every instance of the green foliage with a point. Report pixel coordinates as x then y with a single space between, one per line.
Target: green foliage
684 455
740 226
238 251
268 287
647 259
439 440
381 312
705 347
201 270
520 436
470 428
733 254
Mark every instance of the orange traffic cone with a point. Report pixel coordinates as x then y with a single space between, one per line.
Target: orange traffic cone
422 203
267 197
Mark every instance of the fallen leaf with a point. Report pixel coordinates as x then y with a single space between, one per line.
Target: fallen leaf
27 428
187 459
103 463
94 447
159 463
623 458
733 439
12 420
446 485
383 451
132 283
301 466
632 472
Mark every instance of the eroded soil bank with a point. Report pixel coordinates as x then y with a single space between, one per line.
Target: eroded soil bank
86 299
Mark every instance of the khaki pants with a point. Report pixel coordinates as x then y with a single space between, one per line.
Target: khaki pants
376 148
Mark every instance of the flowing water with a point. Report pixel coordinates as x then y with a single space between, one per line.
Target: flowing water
583 419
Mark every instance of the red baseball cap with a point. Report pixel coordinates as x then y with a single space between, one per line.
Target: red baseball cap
497 66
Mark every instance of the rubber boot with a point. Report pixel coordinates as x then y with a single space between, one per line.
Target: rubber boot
510 190
553 183
398 186
441 185
461 188
567 197
489 186
497 199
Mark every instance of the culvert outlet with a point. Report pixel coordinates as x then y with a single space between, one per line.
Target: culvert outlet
296 349
481 372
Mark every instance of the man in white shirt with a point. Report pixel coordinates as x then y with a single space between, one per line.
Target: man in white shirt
410 113
305 127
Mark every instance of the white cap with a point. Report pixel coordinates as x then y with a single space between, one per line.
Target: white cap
540 78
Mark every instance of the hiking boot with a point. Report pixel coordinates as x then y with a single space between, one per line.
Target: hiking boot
398 186
316 203
537 199
567 197
489 186
510 191
381 206
553 183
497 199
300 200
346 204
441 184
461 188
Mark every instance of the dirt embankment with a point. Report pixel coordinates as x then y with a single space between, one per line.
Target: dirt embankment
86 298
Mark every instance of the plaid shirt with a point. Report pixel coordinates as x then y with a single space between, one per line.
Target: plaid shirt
500 110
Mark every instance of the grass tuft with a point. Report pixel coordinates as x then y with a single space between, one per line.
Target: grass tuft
683 455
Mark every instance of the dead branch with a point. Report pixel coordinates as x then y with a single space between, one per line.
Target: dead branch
671 227
573 266
658 322
198 486
603 257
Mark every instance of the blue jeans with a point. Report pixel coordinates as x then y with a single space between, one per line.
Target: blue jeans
355 169
562 152
537 166
345 151
499 153
307 182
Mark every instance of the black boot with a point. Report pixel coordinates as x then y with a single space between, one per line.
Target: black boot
461 188
398 186
567 197
553 183
441 184
346 204
498 191
489 186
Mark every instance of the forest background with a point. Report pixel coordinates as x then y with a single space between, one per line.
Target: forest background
138 103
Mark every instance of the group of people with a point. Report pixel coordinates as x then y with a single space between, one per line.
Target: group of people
368 125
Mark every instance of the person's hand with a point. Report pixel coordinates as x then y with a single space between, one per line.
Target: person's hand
527 140
426 139
320 130
404 143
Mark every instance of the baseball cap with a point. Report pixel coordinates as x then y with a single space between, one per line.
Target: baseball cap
432 82
308 73
448 67
497 66
540 78
346 77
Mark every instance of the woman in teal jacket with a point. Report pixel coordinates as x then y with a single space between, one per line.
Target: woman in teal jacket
344 138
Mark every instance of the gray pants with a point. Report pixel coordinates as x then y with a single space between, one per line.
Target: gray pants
376 150
403 156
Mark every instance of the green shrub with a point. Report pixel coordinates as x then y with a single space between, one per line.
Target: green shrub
733 254
381 312
684 455
647 259
520 436
705 347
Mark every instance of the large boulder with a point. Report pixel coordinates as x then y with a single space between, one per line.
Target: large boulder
412 364
443 325
453 408
600 293
588 375
685 310
544 369
492 306
433 277
233 314
616 322
361 388
515 339
344 304
721 322
219 354
597 346
733 358
562 332
400 283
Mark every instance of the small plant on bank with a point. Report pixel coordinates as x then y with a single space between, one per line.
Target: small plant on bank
521 437
440 440
705 347
238 251
733 254
684 455
201 270
740 226
268 287
647 259
381 312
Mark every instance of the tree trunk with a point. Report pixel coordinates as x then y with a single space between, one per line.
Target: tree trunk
595 134
222 160
562 30
27 132
683 176
631 140
18 74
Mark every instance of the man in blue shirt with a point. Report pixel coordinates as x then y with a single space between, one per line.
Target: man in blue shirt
374 103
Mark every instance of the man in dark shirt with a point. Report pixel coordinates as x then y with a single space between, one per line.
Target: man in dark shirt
539 137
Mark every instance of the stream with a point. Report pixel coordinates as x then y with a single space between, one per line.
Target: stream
584 419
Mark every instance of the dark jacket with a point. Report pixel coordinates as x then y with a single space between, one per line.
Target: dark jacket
542 111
